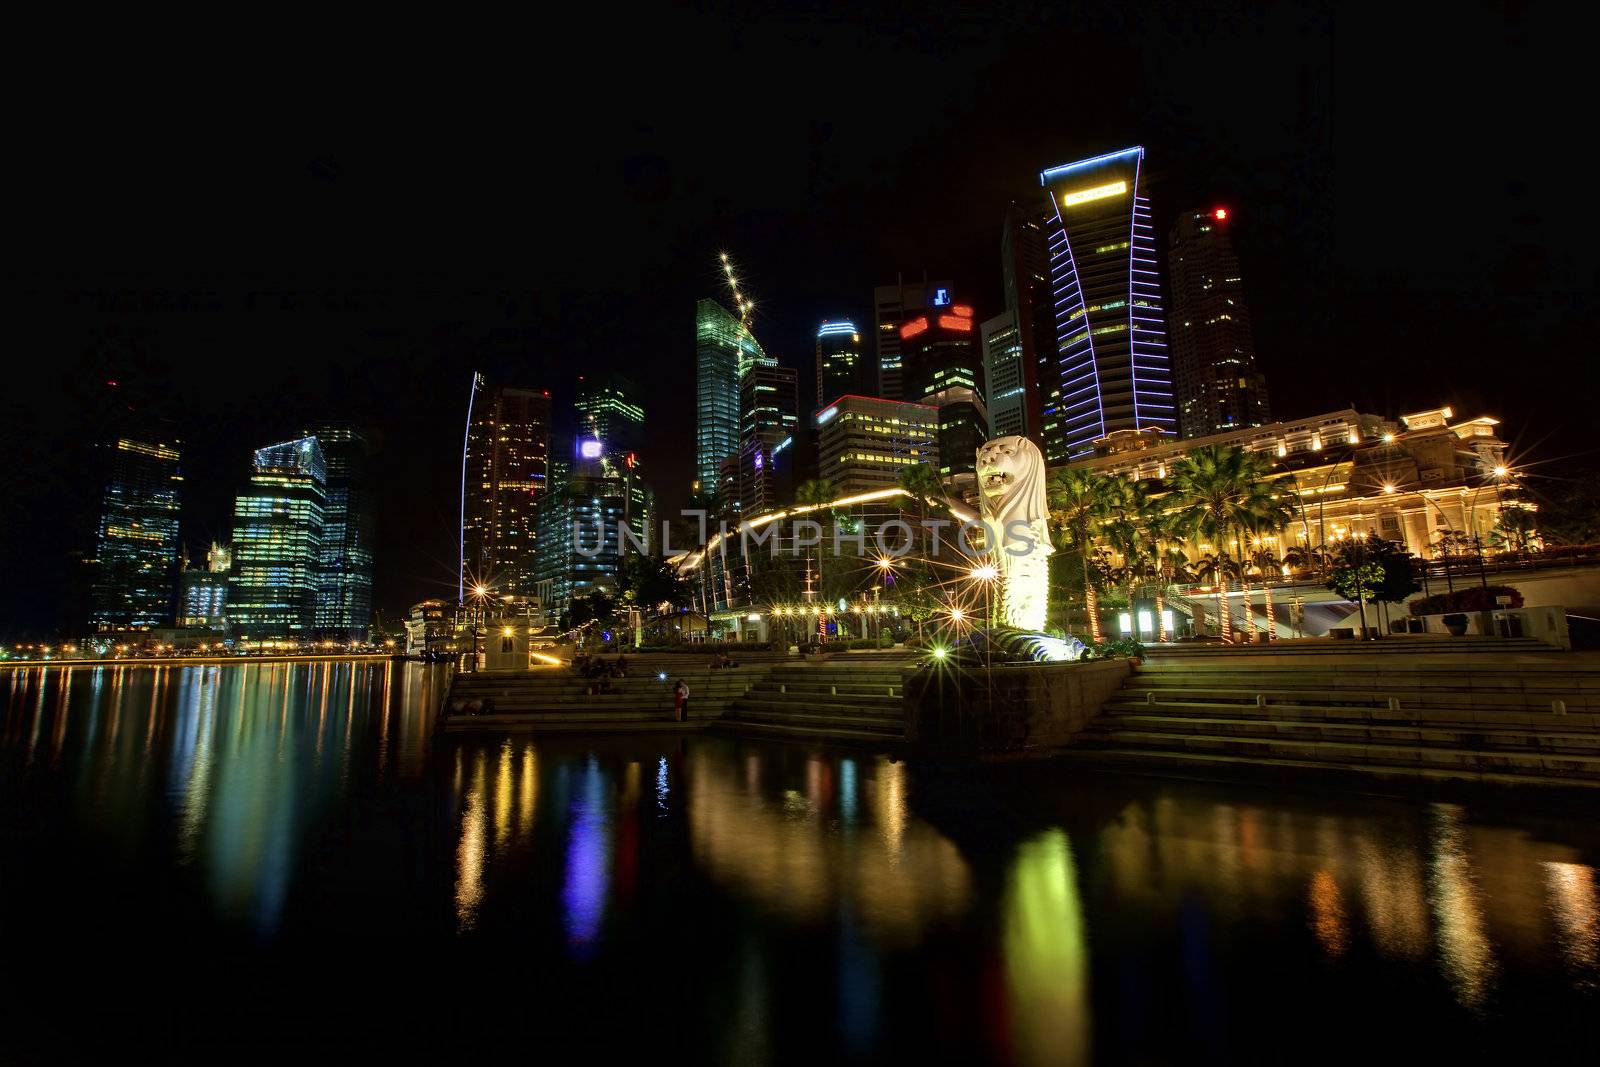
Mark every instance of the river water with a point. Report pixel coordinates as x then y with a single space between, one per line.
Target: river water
237 862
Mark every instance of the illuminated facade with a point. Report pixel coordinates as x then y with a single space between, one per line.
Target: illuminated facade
1004 362
580 550
1213 352
344 598
769 399
841 364
724 350
277 543
506 467
609 410
866 443
203 592
136 541
1421 480
941 365
892 305
1108 370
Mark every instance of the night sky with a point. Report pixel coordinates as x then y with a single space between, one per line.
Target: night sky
347 224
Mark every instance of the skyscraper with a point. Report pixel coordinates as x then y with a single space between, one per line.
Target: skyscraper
344 597
1025 272
892 305
579 544
865 443
1213 351
1108 370
841 366
724 349
769 400
203 592
136 541
1003 365
941 366
277 543
506 464
609 411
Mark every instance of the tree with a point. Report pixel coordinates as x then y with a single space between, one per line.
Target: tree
647 582
925 486
1571 516
1079 501
1514 528
1221 493
1371 570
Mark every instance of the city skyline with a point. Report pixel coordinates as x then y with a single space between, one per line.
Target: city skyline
376 334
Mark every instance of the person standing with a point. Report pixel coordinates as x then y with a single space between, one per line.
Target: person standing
680 701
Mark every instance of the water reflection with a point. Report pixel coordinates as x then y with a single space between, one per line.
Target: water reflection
227 768
1575 904
791 844
1047 960
813 905
1467 956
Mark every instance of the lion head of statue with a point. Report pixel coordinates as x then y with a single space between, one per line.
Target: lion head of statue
1011 477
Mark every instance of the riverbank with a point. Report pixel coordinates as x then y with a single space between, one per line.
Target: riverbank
196 661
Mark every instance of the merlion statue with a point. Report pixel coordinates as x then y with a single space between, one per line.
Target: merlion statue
1011 477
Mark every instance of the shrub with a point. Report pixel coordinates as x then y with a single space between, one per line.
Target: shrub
1472 598
1114 649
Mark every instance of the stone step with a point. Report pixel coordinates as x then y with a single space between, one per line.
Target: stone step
876 723
826 695
1397 644
1302 770
1466 736
1476 761
1574 722
888 709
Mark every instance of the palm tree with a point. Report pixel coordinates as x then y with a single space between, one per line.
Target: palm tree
1079 501
1222 492
1218 567
924 485
1307 557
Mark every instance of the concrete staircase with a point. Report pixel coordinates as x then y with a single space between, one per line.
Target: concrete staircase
846 700
1406 708
555 700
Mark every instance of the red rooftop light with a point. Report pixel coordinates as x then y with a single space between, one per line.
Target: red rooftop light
1221 214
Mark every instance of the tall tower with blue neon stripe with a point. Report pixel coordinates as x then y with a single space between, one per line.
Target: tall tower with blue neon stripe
1109 371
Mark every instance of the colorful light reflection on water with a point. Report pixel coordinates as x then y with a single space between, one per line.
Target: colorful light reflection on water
298 833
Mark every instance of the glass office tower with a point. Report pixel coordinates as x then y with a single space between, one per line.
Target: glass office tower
769 398
136 541
277 543
505 472
1109 370
344 595
941 365
1213 348
724 350
841 365
1003 372
609 411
